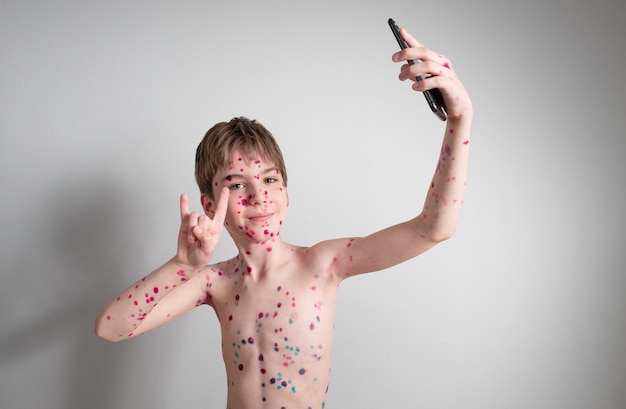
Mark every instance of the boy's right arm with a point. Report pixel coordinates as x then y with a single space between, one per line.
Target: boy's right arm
172 289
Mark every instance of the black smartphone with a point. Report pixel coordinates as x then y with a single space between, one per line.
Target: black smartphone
433 96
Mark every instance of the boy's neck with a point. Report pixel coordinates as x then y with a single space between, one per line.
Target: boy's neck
261 258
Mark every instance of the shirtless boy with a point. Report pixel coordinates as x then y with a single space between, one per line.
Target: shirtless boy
275 301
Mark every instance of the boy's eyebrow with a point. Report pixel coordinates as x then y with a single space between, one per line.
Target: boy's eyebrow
231 176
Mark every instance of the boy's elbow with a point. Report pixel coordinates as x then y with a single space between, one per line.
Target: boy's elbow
103 334
441 235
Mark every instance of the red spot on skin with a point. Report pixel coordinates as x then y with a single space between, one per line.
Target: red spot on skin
266 232
448 150
155 290
118 298
269 249
466 142
350 243
451 130
261 315
313 288
108 318
249 269
312 326
230 317
446 64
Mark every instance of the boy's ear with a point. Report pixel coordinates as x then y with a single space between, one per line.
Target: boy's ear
207 205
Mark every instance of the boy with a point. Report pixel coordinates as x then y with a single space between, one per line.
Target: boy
275 302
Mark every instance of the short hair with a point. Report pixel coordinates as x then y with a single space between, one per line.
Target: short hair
216 149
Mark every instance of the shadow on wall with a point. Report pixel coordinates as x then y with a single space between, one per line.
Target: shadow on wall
59 277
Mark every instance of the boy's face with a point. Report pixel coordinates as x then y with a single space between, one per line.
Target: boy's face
257 202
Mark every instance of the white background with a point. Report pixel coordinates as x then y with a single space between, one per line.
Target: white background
103 103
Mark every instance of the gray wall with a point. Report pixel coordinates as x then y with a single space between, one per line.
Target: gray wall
103 103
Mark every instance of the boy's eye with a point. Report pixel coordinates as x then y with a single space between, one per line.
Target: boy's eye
236 186
271 180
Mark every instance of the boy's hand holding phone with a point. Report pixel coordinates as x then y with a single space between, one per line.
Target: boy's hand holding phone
433 75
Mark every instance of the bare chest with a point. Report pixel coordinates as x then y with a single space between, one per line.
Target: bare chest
276 333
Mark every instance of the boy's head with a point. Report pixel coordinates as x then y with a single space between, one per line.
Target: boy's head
216 150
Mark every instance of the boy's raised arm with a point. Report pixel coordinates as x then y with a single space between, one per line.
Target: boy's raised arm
441 212
172 289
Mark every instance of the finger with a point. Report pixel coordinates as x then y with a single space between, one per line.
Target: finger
222 205
200 229
410 40
184 207
422 70
193 222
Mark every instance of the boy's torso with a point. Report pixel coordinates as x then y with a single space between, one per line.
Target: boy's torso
277 331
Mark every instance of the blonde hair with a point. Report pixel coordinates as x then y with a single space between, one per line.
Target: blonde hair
220 142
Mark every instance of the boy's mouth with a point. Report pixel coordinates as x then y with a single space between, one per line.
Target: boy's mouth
261 217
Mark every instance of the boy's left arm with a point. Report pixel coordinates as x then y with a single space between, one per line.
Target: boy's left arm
441 212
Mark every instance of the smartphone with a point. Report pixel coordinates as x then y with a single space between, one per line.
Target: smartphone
433 96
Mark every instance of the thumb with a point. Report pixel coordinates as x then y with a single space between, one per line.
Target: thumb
222 206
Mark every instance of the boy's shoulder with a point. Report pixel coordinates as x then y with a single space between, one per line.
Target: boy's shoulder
287 257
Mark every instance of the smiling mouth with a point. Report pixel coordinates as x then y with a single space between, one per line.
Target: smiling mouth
261 217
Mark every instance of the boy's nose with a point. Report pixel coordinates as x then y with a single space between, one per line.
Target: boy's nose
258 197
